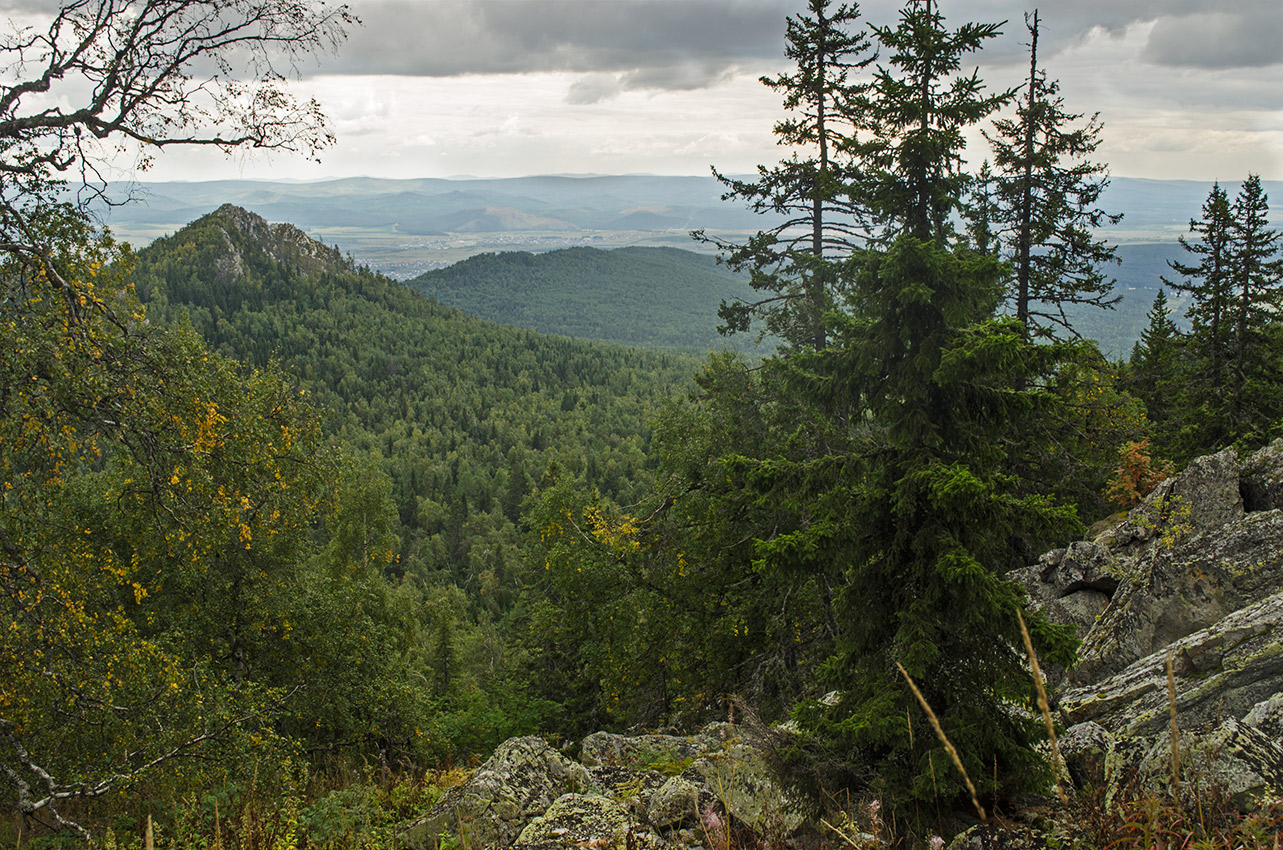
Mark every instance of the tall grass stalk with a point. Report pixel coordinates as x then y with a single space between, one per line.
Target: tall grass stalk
1057 764
944 739
1171 702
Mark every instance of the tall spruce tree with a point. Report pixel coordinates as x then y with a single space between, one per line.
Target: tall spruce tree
1155 364
1209 283
1228 389
934 486
1256 276
913 119
793 262
1045 212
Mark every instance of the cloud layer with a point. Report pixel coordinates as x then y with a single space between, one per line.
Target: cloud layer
685 44
660 44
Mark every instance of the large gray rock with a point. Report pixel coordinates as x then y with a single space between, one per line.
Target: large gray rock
516 784
1221 672
1202 545
673 752
1073 586
740 780
678 803
1239 760
1204 497
1085 748
1261 479
1196 569
1174 591
583 820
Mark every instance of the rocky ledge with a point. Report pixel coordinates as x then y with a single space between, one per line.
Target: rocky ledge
1183 595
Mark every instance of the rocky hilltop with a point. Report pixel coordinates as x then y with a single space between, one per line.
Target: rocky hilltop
1183 595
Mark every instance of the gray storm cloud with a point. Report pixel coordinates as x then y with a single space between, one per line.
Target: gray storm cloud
1249 35
683 44
677 44
686 44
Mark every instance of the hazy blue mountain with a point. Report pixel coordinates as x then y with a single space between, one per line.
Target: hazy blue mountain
1154 209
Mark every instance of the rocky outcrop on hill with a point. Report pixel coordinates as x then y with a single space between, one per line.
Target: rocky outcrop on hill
1183 595
635 792
284 243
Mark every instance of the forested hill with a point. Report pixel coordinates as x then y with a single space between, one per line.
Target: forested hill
465 415
663 298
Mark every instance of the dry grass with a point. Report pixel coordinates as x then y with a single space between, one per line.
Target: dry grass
944 739
1057 764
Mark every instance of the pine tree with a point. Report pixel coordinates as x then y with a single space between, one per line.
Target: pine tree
1255 280
793 262
1045 211
1233 349
913 120
1208 284
1155 365
926 493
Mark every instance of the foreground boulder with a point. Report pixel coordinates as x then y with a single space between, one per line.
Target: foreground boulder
519 782
627 792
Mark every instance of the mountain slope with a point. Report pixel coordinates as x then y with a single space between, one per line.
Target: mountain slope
465 415
663 298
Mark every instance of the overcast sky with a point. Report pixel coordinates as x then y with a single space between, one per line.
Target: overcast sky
434 88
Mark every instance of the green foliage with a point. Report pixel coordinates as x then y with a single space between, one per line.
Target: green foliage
1215 386
913 118
915 472
463 415
657 298
934 496
662 610
179 559
817 217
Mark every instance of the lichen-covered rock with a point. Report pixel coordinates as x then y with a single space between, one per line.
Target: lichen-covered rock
1180 586
740 780
667 751
677 803
516 784
1084 747
584 820
1183 558
1267 716
1243 762
1205 496
1221 672
1072 586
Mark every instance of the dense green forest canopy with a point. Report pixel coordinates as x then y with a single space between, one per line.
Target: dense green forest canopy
662 298
464 415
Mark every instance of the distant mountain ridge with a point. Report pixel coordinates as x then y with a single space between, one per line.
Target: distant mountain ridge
407 227
1155 210
664 298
